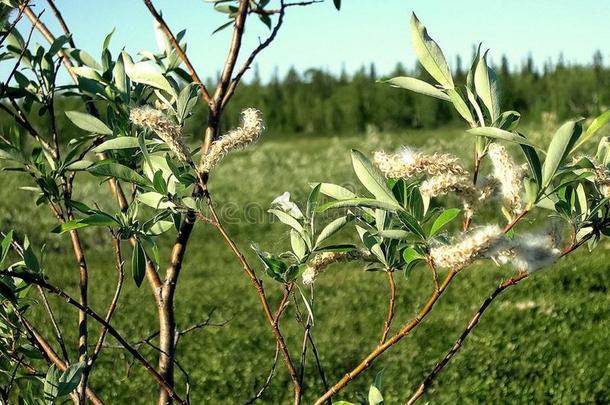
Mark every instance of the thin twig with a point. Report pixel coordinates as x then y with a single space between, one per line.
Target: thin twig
113 332
388 322
260 392
119 265
58 334
174 42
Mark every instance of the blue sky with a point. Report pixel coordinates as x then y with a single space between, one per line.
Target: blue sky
363 31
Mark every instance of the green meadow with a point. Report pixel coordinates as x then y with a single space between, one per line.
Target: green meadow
543 341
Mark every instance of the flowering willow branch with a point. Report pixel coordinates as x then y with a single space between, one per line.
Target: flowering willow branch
475 321
404 331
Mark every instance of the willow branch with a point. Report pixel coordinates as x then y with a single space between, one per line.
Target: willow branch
111 330
119 265
174 42
404 331
388 322
233 85
258 285
58 335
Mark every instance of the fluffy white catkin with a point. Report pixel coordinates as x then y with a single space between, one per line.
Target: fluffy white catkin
509 175
532 251
159 123
408 163
238 138
471 246
322 260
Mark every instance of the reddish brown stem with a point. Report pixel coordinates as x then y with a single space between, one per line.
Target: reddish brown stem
458 343
388 322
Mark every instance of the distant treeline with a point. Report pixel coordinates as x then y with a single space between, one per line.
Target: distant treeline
317 102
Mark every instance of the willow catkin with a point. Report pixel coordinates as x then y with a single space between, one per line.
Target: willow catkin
238 138
322 260
160 124
409 163
472 245
459 185
531 251
602 178
509 175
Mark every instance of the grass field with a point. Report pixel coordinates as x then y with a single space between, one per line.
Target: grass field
545 341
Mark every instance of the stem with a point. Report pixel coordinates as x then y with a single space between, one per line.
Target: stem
404 331
113 332
116 243
258 285
458 343
388 322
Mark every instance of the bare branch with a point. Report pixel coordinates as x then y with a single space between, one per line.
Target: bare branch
260 392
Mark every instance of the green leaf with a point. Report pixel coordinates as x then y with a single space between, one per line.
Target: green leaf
155 200
341 247
30 259
359 202
88 73
417 86
461 106
88 123
312 201
429 54
371 178
97 219
508 120
335 191
595 126
393 234
337 4
161 227
123 142
146 73
497 133
110 169
534 163
443 219
487 87
83 58
561 144
298 244
411 223
5 246
410 255
375 397
288 220
138 264
70 378
51 384
332 228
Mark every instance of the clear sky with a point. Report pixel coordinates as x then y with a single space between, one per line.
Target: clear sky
363 31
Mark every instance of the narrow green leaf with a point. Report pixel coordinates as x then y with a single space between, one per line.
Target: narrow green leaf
595 126
332 228
337 4
138 264
487 87
429 54
146 73
461 106
288 220
497 133
508 120
117 170
69 379
561 144
371 178
5 246
534 163
88 123
359 202
443 219
393 234
335 191
298 244
411 223
417 86
123 142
